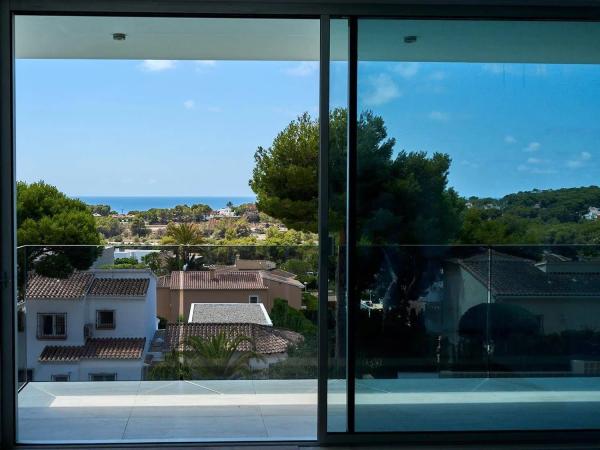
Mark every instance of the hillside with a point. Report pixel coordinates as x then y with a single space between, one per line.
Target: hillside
533 217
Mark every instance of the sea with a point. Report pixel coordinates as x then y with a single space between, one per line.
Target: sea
126 204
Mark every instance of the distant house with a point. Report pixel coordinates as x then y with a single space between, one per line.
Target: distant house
564 294
270 343
92 326
178 291
229 313
226 212
592 214
138 254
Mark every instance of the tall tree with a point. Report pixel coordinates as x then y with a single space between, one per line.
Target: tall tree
184 235
51 224
402 198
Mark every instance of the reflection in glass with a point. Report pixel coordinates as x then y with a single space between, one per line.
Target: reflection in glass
477 305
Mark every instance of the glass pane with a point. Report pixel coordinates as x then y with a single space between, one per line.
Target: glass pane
175 228
477 224
338 76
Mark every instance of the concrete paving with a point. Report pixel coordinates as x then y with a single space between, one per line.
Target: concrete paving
183 411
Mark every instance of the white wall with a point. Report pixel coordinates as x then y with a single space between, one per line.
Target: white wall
135 318
75 320
126 370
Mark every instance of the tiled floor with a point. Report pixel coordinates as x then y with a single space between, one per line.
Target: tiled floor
286 409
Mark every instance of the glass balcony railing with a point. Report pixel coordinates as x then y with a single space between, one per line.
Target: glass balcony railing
178 343
477 338
167 343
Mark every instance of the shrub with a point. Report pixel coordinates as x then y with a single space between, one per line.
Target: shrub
283 316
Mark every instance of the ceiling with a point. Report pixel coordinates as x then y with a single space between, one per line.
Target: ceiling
80 37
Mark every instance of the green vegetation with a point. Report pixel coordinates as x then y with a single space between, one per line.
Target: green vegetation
216 358
180 213
49 221
283 316
103 210
138 227
109 227
534 217
125 263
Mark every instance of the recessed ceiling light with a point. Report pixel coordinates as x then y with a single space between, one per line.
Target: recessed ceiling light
410 39
119 36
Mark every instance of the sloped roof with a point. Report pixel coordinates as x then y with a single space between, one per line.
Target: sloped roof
95 348
516 276
274 277
119 287
229 313
210 280
79 284
266 341
164 281
73 287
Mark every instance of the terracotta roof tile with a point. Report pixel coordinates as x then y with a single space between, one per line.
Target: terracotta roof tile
516 276
73 287
95 348
212 280
164 281
118 287
266 341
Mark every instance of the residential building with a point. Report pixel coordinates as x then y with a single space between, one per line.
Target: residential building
564 294
271 344
592 214
229 313
93 325
178 291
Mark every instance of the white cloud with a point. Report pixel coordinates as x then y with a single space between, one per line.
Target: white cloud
157 65
206 63
437 76
532 147
407 69
494 68
303 69
469 164
535 170
189 104
579 161
438 115
543 171
381 89
510 139
538 70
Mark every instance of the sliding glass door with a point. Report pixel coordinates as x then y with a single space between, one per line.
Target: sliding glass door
476 292
167 228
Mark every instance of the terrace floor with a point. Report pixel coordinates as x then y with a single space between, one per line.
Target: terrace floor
133 411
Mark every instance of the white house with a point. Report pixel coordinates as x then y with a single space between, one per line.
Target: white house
94 325
563 294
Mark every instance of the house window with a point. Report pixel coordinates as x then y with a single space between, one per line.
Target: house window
52 326
254 299
103 377
60 377
105 320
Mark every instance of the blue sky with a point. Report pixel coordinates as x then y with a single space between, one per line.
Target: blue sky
507 127
97 127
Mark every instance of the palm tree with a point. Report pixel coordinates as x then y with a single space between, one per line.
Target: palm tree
174 367
184 235
219 357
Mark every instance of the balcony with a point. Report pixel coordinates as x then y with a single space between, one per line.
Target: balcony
489 339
